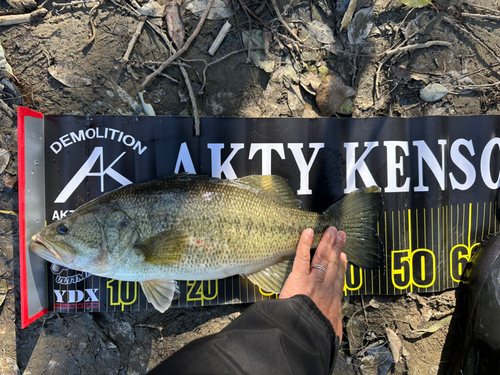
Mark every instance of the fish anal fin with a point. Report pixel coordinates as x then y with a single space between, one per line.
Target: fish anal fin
274 187
164 248
272 279
159 293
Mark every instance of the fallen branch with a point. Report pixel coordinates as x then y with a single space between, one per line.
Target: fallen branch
74 3
417 46
22 18
285 25
483 8
186 45
132 42
482 16
92 22
193 101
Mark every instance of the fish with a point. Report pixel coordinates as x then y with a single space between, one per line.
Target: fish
478 301
191 227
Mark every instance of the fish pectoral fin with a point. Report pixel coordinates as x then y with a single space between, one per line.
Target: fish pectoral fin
164 248
271 279
160 293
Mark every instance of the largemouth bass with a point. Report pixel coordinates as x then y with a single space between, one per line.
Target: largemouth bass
198 228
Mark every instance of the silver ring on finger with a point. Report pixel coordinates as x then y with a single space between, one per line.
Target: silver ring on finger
319 267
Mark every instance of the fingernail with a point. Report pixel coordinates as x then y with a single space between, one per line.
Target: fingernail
341 236
332 231
309 232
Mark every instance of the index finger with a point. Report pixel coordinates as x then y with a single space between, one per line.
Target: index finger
302 262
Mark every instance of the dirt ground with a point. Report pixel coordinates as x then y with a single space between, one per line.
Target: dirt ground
71 61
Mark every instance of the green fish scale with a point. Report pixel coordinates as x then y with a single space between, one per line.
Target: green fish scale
230 227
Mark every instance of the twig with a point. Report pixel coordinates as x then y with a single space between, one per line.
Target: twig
418 46
483 8
285 25
163 74
74 3
22 18
215 62
92 22
193 101
446 19
483 16
220 37
186 45
6 108
131 44
479 86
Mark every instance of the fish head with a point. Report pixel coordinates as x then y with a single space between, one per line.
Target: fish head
90 240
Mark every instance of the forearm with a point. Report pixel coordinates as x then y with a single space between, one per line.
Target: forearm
289 336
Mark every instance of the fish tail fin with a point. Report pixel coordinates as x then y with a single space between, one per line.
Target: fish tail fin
357 214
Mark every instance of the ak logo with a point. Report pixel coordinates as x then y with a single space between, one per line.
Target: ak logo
85 170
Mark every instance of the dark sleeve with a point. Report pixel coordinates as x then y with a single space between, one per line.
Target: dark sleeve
289 336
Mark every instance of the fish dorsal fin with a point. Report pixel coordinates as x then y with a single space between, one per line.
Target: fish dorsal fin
271 279
274 187
160 293
164 248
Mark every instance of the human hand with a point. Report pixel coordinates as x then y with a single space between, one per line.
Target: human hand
324 288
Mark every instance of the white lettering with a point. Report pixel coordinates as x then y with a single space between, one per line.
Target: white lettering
394 167
77 138
217 166
485 164
184 158
92 297
56 147
352 166
65 140
267 149
303 166
425 154
90 133
464 164
59 295
131 142
85 171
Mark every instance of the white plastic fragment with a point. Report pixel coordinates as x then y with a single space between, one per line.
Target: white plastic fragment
433 92
148 108
4 65
152 9
220 37
220 9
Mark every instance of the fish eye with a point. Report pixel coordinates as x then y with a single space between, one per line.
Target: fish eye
62 229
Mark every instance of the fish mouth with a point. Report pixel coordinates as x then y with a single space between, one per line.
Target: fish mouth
43 249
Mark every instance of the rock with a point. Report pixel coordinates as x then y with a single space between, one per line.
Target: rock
331 94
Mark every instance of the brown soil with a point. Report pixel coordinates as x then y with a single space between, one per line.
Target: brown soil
52 53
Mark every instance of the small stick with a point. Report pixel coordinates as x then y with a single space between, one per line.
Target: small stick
163 74
285 25
483 16
131 44
22 18
220 37
483 7
472 37
418 46
92 22
348 15
479 86
6 108
193 101
186 45
74 3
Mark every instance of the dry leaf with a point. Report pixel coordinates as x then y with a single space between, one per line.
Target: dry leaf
175 26
416 3
433 92
4 159
320 31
